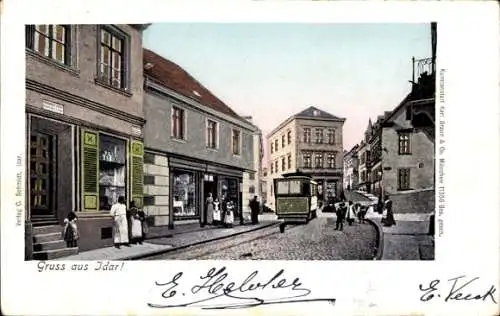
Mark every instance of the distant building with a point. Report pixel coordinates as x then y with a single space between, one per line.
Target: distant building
351 168
309 141
252 179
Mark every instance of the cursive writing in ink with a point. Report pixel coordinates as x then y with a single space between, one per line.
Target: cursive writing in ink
428 290
459 291
456 293
216 283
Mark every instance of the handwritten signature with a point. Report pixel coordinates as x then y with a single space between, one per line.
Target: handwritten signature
460 290
216 284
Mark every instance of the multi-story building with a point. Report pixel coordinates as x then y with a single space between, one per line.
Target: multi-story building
194 145
311 142
252 180
351 168
397 153
84 118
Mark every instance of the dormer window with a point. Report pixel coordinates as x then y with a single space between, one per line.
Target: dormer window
316 113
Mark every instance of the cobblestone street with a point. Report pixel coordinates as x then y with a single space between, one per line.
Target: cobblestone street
315 241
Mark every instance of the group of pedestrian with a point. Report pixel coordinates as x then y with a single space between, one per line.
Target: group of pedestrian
129 227
221 213
348 212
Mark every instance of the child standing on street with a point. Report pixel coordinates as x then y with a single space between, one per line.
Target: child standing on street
70 233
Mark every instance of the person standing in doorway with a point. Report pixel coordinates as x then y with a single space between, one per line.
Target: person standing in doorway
254 209
120 223
136 224
209 208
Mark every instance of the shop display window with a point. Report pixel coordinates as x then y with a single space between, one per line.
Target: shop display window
112 170
184 194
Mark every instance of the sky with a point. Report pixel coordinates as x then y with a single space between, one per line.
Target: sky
271 71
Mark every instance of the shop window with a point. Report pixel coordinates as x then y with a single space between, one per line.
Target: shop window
112 171
105 171
51 41
229 191
184 194
112 70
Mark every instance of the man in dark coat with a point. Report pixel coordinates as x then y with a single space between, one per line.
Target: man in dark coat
255 208
341 211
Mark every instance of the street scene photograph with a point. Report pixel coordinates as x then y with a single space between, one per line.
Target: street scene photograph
230 141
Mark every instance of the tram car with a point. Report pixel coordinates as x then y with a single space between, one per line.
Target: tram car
296 197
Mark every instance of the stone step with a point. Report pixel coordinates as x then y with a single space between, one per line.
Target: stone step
40 238
43 223
47 229
53 254
49 245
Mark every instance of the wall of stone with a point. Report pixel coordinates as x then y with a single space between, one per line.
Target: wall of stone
156 188
419 201
420 161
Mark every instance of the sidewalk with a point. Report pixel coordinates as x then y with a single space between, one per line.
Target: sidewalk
408 239
183 237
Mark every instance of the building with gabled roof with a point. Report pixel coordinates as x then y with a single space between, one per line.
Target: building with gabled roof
309 141
195 144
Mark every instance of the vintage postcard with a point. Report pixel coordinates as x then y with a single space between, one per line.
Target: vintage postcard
234 158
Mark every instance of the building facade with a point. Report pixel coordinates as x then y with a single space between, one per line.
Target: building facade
84 128
397 153
351 168
252 181
311 142
195 145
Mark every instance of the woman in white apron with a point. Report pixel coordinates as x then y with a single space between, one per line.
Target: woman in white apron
136 224
216 212
120 224
229 218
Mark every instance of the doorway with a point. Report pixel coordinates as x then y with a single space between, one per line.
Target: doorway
42 175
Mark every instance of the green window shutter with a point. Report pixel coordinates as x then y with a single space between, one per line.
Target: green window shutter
137 172
89 144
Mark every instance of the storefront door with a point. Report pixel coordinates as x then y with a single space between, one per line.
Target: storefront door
42 175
